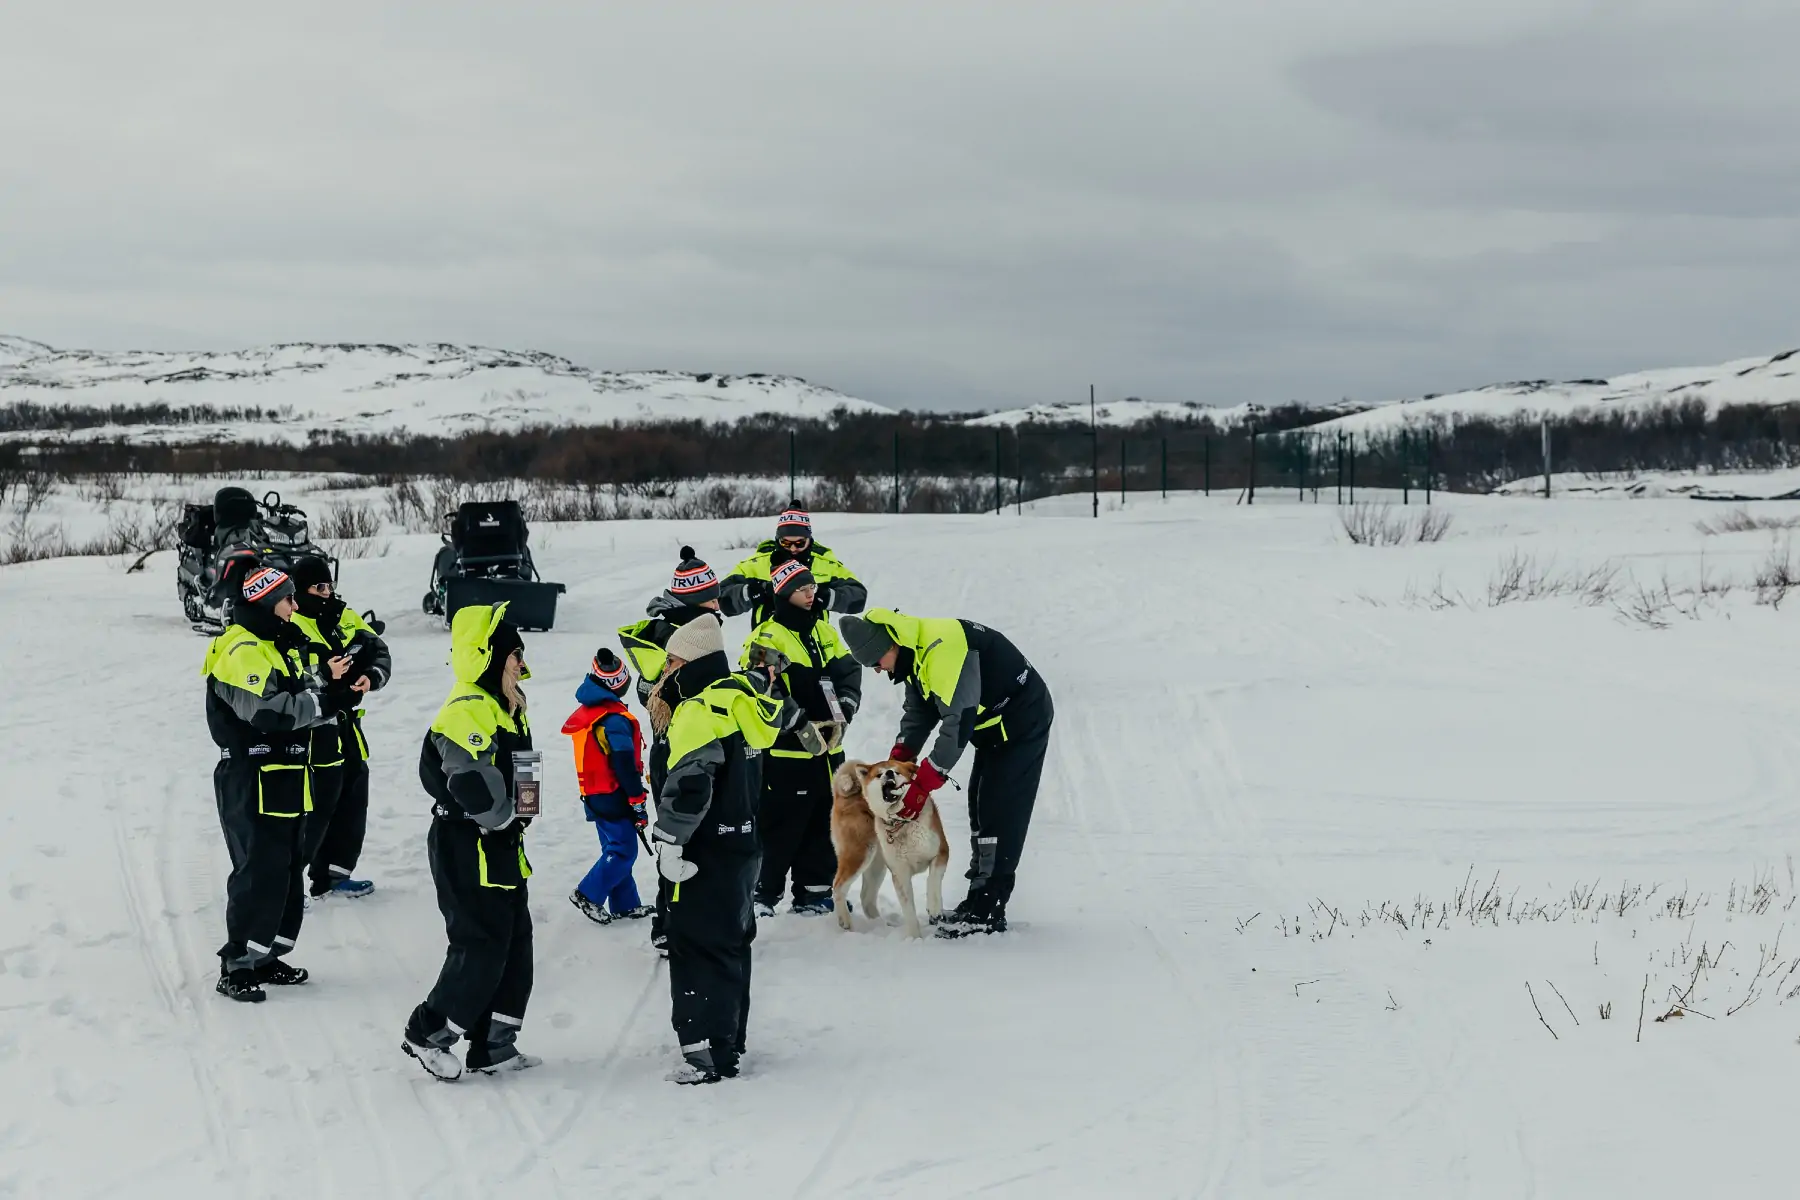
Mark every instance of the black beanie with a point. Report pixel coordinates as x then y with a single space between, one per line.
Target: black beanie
694 583
309 570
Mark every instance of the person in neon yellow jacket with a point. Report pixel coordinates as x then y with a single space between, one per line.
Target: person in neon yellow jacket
707 844
477 853
262 703
819 675
972 686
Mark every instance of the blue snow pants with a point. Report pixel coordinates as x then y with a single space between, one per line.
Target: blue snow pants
609 881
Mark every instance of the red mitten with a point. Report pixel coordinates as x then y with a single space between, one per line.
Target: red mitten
903 752
928 780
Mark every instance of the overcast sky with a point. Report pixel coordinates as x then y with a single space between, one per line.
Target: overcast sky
930 203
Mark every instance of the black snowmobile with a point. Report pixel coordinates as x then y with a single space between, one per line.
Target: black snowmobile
485 559
222 541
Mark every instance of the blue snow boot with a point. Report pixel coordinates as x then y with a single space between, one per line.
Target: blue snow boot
352 888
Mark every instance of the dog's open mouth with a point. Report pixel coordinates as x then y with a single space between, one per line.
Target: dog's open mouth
893 787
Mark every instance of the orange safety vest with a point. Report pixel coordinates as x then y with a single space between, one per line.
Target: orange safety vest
593 766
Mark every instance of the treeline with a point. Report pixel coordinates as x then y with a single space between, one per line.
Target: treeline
25 416
935 462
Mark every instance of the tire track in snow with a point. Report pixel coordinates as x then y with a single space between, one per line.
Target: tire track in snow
170 994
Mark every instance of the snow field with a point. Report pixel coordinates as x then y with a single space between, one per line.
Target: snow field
1271 754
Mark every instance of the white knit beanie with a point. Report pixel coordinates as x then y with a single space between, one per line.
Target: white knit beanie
697 639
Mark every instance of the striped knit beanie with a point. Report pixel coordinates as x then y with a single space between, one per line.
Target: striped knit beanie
694 582
611 674
790 577
265 586
795 522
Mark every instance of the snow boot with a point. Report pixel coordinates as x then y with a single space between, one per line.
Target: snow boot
689 1074
636 914
950 925
279 974
241 985
354 889
589 909
764 910
438 1062
518 1062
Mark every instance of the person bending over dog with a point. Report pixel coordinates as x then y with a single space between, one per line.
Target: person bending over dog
975 688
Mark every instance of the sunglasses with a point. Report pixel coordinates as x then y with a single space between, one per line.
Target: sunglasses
793 543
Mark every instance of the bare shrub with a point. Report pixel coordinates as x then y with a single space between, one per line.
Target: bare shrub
1777 576
1523 577
348 522
1367 524
1431 525
1741 520
1372 525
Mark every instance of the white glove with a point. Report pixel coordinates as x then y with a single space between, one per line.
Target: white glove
671 866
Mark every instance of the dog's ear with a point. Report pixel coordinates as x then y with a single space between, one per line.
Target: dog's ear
850 779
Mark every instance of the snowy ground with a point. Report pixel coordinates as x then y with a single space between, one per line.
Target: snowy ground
1277 755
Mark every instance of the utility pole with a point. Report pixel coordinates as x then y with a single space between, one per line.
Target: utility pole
999 492
793 461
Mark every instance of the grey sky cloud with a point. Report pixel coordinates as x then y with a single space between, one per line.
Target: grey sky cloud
934 203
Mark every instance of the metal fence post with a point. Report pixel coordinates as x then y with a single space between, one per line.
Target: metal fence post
999 491
1405 469
1206 465
1430 462
793 461
1340 467
1250 495
1165 468
1094 432
1544 425
1019 462
896 470
1121 470
1351 440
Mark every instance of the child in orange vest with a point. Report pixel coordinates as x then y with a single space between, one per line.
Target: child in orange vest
609 762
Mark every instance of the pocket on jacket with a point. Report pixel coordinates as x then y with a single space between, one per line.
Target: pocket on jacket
501 861
283 790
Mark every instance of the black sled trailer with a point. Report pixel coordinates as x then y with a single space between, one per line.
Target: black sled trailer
486 559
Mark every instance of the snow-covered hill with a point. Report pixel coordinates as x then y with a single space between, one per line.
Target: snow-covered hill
1772 380
306 389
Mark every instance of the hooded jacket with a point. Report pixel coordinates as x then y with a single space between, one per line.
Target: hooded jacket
644 640
960 679
746 589
465 763
814 653
716 736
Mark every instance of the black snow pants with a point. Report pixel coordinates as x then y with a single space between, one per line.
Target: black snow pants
483 988
795 821
710 928
1003 786
659 773
336 825
263 896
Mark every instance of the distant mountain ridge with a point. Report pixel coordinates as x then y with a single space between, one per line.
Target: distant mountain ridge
306 390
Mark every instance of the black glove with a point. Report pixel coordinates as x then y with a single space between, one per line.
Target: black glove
822 598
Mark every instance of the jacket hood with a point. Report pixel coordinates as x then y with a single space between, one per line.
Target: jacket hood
673 610
472 641
590 692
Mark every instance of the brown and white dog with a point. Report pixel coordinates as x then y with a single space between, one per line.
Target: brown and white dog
870 837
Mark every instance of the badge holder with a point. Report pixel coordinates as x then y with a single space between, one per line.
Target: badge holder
527 776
